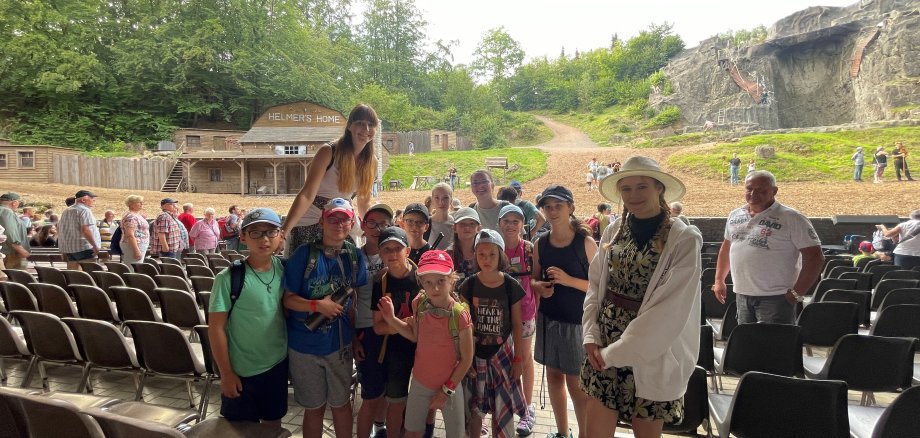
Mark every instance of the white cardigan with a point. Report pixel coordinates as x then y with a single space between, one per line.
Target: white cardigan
662 343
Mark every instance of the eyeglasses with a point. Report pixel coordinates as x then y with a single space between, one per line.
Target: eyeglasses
375 224
414 222
258 234
332 220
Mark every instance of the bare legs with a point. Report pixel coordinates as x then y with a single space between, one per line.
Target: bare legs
559 385
603 422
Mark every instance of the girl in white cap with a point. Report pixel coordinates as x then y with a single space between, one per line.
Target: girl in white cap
642 310
494 381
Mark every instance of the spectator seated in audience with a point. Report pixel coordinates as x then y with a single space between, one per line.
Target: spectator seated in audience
46 237
866 251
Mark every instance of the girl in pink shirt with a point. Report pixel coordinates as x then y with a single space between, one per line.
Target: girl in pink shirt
442 328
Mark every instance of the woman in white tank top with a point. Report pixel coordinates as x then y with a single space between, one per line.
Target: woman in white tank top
345 169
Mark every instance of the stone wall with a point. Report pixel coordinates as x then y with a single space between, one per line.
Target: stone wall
805 65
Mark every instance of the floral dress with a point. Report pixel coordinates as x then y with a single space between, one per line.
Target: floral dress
630 267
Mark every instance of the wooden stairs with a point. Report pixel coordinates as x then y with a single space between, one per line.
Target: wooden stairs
175 179
864 39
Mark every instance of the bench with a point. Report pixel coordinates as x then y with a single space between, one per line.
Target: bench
497 163
52 255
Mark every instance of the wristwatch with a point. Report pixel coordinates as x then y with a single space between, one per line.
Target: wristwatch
798 298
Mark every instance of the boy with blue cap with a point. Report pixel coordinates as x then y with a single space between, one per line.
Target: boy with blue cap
250 348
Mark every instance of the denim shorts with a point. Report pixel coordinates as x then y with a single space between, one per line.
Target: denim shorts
78 256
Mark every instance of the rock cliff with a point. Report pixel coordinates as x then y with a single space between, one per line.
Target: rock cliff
820 66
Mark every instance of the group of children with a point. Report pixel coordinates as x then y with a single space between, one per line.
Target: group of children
424 340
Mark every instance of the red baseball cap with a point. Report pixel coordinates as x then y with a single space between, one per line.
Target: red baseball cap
435 261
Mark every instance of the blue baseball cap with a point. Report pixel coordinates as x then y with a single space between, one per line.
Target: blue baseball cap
261 215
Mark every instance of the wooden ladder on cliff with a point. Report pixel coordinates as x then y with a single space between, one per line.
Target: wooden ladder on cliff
864 39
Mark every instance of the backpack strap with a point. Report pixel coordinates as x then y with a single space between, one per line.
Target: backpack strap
237 275
582 255
383 344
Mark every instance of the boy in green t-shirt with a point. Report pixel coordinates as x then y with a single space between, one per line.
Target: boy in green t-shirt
248 334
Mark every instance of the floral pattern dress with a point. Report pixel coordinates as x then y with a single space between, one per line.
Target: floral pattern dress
630 268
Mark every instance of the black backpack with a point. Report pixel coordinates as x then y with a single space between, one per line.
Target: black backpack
115 244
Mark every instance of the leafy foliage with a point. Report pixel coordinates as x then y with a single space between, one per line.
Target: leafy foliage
740 38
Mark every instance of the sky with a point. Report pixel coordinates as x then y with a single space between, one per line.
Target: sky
545 27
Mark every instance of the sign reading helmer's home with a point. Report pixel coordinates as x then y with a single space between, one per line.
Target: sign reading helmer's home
300 115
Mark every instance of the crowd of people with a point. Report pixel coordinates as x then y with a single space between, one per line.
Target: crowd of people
445 307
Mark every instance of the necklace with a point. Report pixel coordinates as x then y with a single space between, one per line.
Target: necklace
268 285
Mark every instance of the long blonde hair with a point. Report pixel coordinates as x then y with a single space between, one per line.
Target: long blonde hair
363 168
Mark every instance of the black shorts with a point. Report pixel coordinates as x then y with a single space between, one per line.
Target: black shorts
82 255
373 374
264 397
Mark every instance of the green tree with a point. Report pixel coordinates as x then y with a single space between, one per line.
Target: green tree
497 56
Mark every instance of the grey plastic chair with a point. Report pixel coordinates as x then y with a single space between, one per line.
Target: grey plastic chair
12 345
173 282
866 363
18 297
90 267
105 280
190 261
885 286
45 417
118 268
744 414
164 351
94 303
118 426
19 276
143 282
54 300
51 276
899 419
104 347
49 340
900 320
199 271
168 261
832 283
134 304
78 277
824 323
901 274
900 296
146 268
179 308
769 348
174 270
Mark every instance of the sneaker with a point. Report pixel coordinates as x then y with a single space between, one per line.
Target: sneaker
379 432
429 431
525 426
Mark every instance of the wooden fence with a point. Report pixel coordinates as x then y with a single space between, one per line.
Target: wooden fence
115 173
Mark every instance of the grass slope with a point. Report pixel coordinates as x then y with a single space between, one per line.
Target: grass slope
404 167
603 128
799 156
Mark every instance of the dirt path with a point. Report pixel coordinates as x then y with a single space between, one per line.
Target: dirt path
565 137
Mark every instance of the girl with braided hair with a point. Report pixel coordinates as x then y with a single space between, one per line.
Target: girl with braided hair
641 313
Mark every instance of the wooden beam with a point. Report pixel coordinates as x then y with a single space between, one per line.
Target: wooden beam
275 174
242 165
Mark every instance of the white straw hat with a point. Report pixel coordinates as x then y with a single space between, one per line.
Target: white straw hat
642 166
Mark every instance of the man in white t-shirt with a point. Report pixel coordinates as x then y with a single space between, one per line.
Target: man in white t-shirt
763 244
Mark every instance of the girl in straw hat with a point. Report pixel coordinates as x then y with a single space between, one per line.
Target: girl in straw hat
641 313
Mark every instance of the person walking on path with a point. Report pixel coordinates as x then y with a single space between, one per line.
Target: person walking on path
859 160
880 160
341 169
773 253
900 161
641 313
734 165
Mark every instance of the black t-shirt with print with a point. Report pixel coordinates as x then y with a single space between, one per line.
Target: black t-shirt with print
416 254
490 308
402 291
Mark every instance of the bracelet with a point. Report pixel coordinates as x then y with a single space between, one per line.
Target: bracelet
450 385
313 306
447 390
517 360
